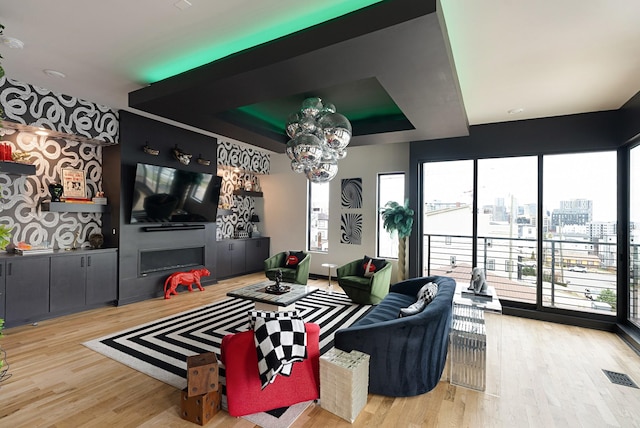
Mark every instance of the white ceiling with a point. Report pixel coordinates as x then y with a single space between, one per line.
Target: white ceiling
548 57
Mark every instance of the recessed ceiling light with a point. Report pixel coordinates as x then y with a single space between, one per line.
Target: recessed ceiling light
12 42
54 73
515 110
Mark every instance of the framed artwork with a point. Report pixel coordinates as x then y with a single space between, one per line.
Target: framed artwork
73 183
351 228
351 193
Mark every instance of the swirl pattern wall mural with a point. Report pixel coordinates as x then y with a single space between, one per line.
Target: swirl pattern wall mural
80 120
351 193
351 228
21 196
249 162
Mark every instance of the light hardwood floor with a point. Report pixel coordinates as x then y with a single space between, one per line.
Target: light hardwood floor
548 375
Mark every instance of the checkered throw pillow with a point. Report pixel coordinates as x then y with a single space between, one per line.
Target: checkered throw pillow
279 343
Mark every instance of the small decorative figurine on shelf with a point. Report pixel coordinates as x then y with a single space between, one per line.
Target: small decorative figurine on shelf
56 192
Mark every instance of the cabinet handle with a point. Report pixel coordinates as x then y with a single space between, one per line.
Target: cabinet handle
9 272
88 260
81 261
0 270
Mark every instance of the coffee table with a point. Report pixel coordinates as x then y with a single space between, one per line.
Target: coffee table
273 302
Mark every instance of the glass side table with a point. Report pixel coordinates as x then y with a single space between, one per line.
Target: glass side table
329 266
475 345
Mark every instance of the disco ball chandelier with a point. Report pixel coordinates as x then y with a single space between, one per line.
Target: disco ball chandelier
319 138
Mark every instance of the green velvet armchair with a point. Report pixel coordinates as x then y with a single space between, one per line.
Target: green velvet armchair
299 275
363 290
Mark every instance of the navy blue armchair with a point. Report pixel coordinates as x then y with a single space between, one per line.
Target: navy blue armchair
407 355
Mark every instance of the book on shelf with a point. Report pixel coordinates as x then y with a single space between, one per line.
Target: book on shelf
78 200
34 250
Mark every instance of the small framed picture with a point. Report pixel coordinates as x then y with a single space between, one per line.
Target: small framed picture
73 183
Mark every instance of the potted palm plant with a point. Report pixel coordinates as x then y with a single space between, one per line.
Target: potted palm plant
398 219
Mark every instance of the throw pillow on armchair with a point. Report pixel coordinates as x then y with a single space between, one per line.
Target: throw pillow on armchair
369 266
293 258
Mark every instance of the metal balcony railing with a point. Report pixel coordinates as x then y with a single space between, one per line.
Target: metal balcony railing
575 275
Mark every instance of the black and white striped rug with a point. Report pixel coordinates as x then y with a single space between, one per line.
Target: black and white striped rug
160 348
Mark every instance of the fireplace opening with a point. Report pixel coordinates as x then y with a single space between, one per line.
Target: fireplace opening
153 261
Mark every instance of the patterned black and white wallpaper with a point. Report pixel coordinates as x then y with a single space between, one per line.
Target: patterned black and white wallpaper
81 128
34 106
239 165
22 195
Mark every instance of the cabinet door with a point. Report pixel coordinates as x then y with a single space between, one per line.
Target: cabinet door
27 289
68 278
223 259
3 269
257 252
102 286
238 257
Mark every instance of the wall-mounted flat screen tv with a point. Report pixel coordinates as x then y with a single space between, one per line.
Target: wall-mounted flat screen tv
172 196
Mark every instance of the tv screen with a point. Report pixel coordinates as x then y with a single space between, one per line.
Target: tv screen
168 195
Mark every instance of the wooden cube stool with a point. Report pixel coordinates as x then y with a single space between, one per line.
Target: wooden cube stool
200 409
202 374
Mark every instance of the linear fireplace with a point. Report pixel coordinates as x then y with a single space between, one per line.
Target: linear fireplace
154 261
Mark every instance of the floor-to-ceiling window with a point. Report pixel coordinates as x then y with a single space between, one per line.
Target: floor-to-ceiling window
507 225
447 218
579 246
634 236
574 267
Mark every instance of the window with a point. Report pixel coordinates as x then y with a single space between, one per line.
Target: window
318 211
390 188
634 237
579 247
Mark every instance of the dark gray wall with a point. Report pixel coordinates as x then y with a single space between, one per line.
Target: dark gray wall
119 170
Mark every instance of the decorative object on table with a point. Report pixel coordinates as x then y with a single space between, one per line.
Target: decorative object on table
248 185
96 240
184 278
399 219
148 150
254 232
478 286
277 288
180 156
74 245
20 156
319 137
73 183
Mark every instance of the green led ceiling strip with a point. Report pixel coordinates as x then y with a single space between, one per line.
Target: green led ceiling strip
320 14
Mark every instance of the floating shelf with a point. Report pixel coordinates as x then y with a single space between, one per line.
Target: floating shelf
17 168
69 207
241 192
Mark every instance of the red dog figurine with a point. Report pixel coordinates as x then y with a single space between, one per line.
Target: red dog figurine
184 278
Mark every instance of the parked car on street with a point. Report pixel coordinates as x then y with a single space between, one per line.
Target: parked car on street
578 268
